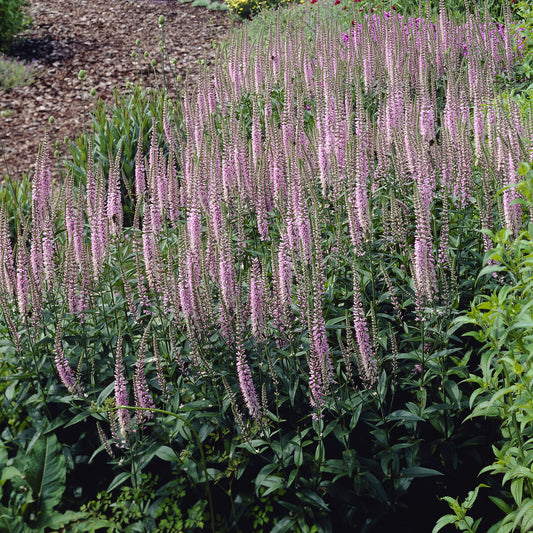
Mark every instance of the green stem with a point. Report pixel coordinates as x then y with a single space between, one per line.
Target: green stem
84 114
163 56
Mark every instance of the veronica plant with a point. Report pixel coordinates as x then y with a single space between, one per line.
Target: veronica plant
299 242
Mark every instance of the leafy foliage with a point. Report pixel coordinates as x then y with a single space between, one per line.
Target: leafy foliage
145 363
117 129
13 19
503 323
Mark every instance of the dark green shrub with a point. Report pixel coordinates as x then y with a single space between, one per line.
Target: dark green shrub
14 18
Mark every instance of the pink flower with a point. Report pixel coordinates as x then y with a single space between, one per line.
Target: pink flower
256 301
246 383
121 392
66 375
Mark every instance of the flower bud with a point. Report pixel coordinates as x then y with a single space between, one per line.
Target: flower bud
57 144
154 63
161 20
134 54
56 153
93 92
82 74
138 42
51 120
146 55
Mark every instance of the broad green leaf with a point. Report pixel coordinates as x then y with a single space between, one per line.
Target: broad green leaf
292 477
11 472
273 483
80 417
45 471
524 514
167 454
92 525
472 495
57 521
452 390
517 490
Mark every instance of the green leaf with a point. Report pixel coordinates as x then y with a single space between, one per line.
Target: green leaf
167 454
444 521
263 474
517 490
419 471
80 417
311 497
527 520
405 416
273 483
292 477
12 524
355 416
119 480
45 471
523 169
11 472
105 393
472 496
57 521
503 505
298 456
92 525
452 390
285 524
524 514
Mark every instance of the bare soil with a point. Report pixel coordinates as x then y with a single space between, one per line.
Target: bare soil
98 36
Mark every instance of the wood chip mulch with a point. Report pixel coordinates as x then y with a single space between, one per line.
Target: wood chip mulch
97 36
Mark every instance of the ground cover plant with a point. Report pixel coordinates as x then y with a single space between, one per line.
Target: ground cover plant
245 314
13 72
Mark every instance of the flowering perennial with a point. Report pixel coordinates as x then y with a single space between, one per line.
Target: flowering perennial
284 140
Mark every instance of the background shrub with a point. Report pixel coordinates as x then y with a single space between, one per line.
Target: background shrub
14 18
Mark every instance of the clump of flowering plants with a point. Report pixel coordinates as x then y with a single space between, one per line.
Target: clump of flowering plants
302 240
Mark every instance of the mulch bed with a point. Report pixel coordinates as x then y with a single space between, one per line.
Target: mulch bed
97 36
